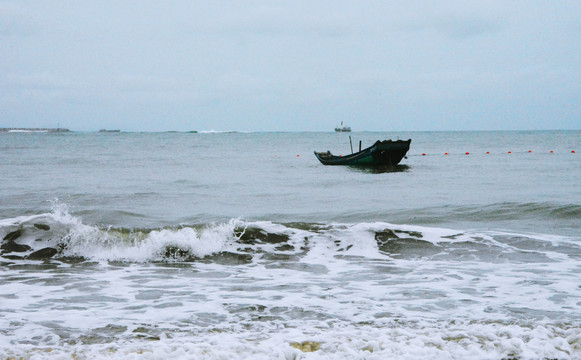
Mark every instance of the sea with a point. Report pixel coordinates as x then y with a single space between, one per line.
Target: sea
241 245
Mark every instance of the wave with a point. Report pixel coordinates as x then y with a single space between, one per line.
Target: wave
513 210
60 235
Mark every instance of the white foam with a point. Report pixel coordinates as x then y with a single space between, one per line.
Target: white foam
93 243
330 284
428 341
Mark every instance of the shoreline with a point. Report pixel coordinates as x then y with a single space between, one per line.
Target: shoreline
52 130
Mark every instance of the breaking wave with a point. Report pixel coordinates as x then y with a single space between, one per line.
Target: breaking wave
260 289
60 235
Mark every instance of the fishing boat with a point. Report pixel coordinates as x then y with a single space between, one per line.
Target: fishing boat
343 128
386 152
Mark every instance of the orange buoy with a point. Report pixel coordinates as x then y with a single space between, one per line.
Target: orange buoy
509 152
572 151
467 153
445 153
530 151
298 155
488 152
423 154
551 151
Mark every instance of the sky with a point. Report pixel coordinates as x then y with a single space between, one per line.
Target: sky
287 65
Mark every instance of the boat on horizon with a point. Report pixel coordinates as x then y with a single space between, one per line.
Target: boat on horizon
386 152
109 131
342 128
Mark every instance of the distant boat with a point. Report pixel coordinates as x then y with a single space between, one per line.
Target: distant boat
342 128
385 152
109 131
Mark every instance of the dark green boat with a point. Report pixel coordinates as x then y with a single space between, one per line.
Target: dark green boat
385 152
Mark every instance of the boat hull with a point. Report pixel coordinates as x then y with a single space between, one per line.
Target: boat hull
385 152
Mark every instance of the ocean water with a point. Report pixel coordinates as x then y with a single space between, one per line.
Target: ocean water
243 246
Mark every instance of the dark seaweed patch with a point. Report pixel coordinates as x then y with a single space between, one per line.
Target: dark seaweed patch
415 234
385 235
224 257
13 235
174 252
45 253
11 246
230 258
406 247
390 242
452 237
285 247
42 226
306 226
13 257
71 259
252 236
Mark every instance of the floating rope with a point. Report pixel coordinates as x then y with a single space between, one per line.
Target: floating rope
487 153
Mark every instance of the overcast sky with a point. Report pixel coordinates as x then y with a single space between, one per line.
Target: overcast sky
290 65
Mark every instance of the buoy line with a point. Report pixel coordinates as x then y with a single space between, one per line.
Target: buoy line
486 153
